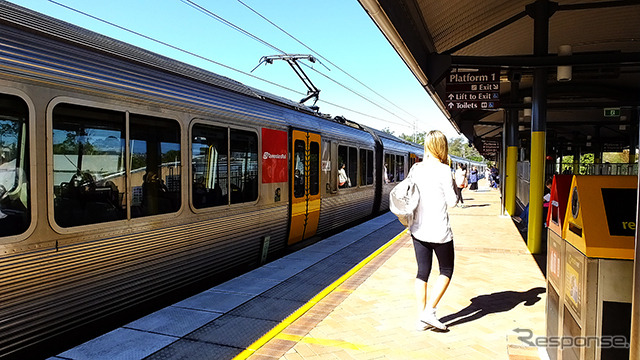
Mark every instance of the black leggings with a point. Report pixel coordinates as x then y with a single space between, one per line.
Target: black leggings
459 192
424 258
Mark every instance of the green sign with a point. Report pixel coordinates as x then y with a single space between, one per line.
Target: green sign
612 112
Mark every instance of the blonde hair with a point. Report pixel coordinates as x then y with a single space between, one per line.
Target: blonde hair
435 144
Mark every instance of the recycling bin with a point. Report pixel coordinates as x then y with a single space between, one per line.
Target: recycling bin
555 254
594 294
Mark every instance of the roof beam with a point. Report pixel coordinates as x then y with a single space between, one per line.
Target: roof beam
530 61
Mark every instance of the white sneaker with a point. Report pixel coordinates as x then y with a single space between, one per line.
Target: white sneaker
420 326
429 317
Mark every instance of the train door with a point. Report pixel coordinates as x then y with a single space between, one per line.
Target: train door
305 185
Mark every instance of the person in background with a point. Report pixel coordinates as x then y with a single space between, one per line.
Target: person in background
461 181
523 219
495 177
473 179
343 179
431 231
385 174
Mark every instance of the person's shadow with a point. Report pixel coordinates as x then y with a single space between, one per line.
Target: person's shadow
493 303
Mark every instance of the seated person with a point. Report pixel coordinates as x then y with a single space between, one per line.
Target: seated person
524 216
343 179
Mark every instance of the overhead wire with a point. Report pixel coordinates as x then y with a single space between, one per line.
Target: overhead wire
207 59
230 24
266 43
173 46
324 58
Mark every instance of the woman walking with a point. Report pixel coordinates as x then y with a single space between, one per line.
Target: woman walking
461 181
430 230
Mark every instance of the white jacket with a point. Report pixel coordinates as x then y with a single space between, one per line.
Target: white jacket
436 185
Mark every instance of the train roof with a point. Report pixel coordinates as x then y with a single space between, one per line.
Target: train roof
461 159
54 28
44 25
396 143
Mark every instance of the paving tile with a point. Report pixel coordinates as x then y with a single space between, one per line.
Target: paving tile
497 287
267 308
132 344
232 331
193 350
173 321
212 300
247 285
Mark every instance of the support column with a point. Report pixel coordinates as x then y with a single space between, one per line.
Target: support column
511 167
634 350
633 141
540 11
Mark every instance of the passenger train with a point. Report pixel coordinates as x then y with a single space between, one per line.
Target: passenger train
125 175
455 160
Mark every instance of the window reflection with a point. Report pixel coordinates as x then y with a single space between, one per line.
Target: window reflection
88 165
15 201
155 165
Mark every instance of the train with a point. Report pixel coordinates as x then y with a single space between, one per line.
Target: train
126 175
479 165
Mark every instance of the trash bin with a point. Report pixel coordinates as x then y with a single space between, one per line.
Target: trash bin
598 233
555 255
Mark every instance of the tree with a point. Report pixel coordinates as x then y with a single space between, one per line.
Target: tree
459 147
387 130
418 138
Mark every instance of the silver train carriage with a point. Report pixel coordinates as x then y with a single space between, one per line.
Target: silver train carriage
480 166
125 175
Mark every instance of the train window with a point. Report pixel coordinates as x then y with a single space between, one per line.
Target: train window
366 167
390 163
299 177
348 156
352 167
400 167
15 202
314 168
209 166
155 165
244 166
88 165
219 179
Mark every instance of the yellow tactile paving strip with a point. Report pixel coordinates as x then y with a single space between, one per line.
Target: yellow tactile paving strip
496 288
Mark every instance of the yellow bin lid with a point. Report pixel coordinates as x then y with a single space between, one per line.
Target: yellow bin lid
600 220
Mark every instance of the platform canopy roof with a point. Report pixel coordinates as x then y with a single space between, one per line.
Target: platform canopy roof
437 37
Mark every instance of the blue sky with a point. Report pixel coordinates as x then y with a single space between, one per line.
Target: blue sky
339 30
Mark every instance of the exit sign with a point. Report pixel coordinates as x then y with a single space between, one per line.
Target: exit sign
612 112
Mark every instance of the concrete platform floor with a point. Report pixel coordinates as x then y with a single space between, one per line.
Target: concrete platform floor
497 294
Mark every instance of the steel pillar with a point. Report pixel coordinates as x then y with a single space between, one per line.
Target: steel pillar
540 11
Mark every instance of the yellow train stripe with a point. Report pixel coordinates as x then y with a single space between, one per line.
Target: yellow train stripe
316 299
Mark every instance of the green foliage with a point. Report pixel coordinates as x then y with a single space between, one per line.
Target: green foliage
616 158
71 146
417 138
171 156
459 147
